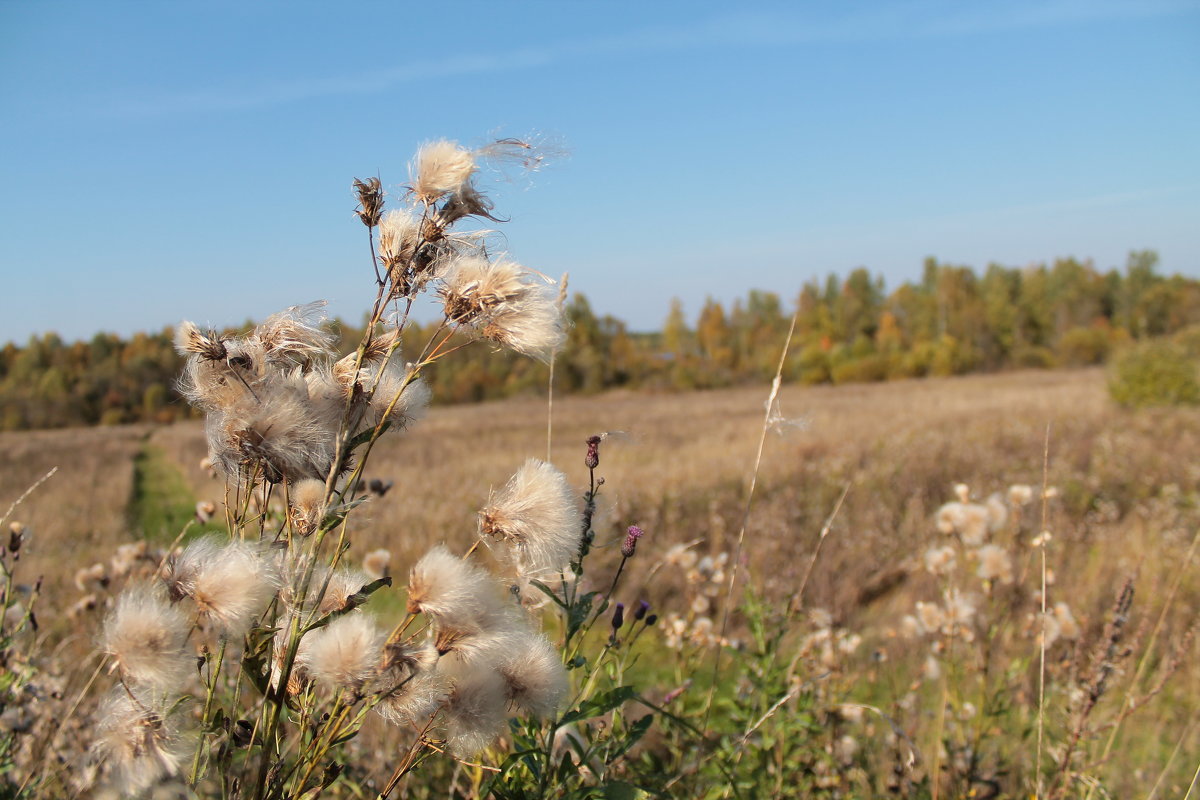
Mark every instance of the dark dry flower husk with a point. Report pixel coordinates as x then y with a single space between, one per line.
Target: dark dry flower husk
370 201
467 202
206 345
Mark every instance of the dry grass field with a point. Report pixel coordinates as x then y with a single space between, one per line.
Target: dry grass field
1126 505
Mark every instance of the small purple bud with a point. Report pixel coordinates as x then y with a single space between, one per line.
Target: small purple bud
618 618
631 539
642 608
592 459
650 620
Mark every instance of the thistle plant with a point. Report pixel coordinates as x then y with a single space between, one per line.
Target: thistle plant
246 665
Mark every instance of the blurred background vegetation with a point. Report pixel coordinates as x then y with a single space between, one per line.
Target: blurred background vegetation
953 321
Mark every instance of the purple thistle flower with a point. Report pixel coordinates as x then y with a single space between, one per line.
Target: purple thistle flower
642 608
631 539
592 459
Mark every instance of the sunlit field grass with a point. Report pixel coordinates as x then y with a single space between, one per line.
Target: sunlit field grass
1123 508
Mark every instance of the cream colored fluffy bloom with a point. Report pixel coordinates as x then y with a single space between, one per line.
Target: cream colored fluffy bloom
997 512
930 617
475 712
294 337
537 516
344 654
504 302
376 563
974 525
441 167
1068 627
146 635
994 564
940 560
136 742
451 591
534 677
231 582
1020 494
307 505
949 517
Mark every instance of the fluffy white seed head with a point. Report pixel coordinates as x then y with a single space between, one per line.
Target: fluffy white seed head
344 582
137 743
411 398
294 337
940 560
1067 626
476 705
230 582
307 505
504 302
1020 494
345 654
441 167
997 511
377 563
453 592
536 515
534 677
145 635
994 564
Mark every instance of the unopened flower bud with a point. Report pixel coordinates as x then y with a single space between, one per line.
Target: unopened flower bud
618 617
642 608
631 539
650 620
592 459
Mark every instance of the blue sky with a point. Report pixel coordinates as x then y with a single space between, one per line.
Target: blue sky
193 160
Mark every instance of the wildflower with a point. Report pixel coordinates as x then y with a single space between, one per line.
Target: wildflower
411 690
341 586
344 654
940 560
681 555
534 677
592 459
537 516
294 337
377 562
145 635
370 200
931 670
994 564
948 518
441 167
930 617
820 619
997 512
91 579
618 617
137 742
974 525
642 608
845 748
307 505
1020 494
504 302
475 710
960 610
631 540
190 341
962 492
126 558
274 429
397 396
452 591
205 510
230 582
1068 627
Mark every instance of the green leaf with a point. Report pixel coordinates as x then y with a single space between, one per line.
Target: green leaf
620 790
549 593
601 704
636 731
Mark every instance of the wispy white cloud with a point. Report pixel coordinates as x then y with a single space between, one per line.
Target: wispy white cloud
741 30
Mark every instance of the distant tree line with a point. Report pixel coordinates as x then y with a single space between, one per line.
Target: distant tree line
952 321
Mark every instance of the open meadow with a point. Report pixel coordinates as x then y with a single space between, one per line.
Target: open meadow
910 640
